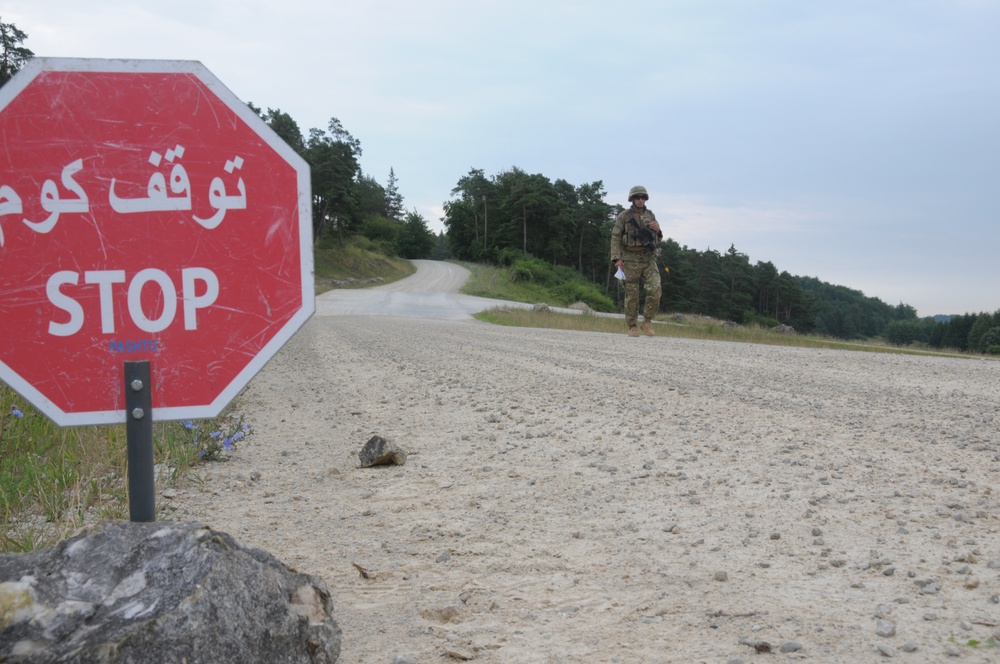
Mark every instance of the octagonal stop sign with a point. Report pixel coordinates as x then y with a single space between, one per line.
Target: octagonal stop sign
146 213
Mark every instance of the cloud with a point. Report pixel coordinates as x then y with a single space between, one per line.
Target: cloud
699 223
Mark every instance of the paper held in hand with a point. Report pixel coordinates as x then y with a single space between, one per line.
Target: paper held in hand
620 275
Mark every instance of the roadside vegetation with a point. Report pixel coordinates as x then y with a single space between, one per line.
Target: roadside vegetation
506 284
528 279
356 264
55 480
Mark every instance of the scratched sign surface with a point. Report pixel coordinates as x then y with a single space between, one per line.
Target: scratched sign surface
145 213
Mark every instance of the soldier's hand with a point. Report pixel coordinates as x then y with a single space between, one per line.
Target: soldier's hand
653 225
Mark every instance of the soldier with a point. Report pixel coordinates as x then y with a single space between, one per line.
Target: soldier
635 246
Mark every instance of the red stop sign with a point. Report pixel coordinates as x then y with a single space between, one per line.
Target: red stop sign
146 213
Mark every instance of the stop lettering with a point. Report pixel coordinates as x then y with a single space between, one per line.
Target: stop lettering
105 279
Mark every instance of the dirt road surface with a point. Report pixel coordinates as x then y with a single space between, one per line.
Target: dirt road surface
583 497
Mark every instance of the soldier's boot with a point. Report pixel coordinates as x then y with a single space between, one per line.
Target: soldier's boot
647 328
633 331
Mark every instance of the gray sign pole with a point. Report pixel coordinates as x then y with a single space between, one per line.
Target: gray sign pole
139 435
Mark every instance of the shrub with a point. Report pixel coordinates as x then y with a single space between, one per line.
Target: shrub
991 339
573 291
508 256
751 317
521 271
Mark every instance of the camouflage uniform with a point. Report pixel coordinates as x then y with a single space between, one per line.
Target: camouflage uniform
640 262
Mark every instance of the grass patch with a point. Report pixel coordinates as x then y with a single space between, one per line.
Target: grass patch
356 265
54 480
532 281
686 327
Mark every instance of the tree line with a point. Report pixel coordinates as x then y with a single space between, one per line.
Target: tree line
974 333
514 213
345 200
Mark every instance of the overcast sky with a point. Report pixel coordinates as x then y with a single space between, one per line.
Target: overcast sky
853 141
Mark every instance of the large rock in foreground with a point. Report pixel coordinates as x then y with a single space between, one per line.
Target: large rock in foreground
161 592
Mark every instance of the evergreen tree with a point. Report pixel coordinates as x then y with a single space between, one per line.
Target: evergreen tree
441 251
333 157
592 219
956 334
393 199
370 198
12 54
415 239
738 277
475 195
284 126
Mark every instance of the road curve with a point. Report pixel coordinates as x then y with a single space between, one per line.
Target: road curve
431 292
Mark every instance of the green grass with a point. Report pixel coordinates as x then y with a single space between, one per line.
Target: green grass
531 280
55 480
357 260
495 282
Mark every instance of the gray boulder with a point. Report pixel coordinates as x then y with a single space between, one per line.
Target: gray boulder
161 592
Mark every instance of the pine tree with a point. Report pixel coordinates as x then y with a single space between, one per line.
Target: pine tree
12 54
393 199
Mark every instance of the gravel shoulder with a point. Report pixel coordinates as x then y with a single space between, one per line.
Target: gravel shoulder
582 497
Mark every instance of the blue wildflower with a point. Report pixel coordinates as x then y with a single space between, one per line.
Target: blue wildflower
227 444
215 434
237 436
16 413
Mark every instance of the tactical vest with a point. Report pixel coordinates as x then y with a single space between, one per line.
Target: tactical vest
634 224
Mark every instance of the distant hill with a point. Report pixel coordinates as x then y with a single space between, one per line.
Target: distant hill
942 318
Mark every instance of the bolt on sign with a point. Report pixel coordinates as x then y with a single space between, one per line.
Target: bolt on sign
146 213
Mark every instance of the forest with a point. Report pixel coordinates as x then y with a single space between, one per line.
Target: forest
514 217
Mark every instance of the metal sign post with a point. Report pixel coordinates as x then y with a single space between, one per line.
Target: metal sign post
139 436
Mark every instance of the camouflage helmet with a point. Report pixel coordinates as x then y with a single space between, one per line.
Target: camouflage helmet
637 190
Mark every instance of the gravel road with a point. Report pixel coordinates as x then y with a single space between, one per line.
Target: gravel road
584 497
432 292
